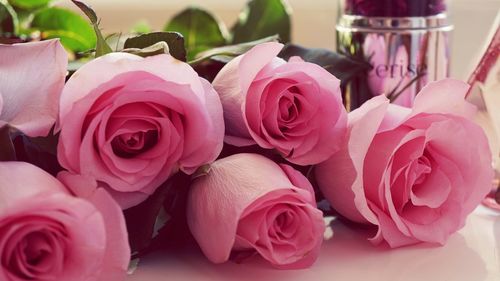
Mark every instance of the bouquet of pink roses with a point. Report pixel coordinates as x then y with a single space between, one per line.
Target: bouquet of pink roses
232 144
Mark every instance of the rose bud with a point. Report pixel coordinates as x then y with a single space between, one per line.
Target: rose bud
131 122
292 107
248 203
31 80
414 173
48 234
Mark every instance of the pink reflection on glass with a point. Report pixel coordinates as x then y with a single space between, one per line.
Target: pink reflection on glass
390 75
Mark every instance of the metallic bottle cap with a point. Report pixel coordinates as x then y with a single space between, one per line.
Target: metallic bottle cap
396 24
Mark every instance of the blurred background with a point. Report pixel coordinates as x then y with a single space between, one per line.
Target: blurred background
313 21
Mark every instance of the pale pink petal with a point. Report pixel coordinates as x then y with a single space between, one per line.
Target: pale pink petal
387 231
254 61
79 185
214 139
105 68
27 181
31 80
341 177
444 97
295 59
117 253
395 116
433 192
227 85
215 198
300 181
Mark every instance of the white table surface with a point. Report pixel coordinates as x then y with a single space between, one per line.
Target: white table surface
472 254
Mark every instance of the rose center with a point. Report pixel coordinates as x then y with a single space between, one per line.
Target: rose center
35 255
422 169
289 106
284 225
288 110
36 249
128 145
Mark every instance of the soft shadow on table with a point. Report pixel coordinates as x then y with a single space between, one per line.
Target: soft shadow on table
496 233
347 256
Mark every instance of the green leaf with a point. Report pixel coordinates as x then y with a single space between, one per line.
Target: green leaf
101 46
8 19
174 40
226 53
141 27
209 63
201 30
75 32
262 18
30 4
342 67
7 151
153 50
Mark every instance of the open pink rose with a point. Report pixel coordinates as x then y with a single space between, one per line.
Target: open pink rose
47 234
130 122
31 80
247 202
414 173
293 107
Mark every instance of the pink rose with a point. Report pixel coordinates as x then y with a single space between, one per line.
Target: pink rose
247 202
414 173
47 234
130 123
293 107
31 80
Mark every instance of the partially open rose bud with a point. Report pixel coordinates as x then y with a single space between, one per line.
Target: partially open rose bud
248 203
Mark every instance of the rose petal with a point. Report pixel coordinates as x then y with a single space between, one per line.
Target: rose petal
254 61
444 97
433 192
245 188
232 84
340 178
27 180
300 181
260 176
117 253
105 68
213 140
31 81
